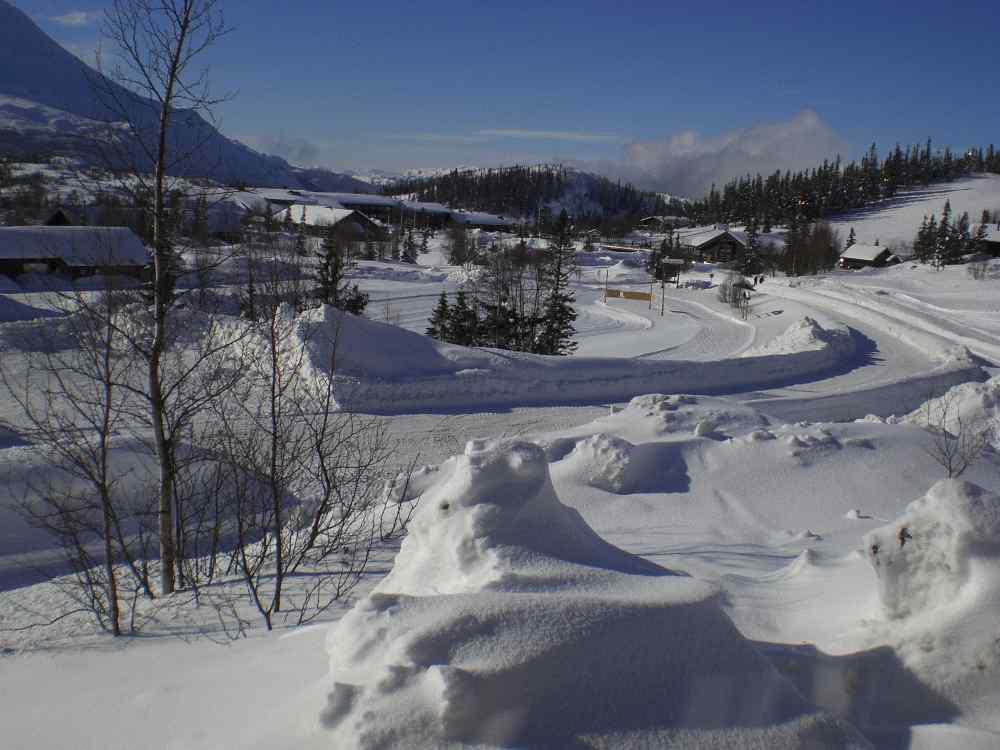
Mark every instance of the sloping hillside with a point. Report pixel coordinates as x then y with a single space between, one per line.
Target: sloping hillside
49 103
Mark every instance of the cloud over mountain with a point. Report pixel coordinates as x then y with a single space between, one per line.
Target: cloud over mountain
688 163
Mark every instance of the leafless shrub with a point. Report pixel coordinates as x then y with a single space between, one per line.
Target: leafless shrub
957 441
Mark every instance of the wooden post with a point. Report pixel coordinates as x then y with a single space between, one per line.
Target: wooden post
607 272
651 293
663 297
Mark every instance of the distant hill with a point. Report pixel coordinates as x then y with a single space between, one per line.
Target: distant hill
523 191
49 105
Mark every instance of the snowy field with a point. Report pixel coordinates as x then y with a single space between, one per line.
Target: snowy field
764 556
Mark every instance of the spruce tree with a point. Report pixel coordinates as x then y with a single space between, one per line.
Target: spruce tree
331 270
750 263
440 319
853 240
558 313
463 323
409 251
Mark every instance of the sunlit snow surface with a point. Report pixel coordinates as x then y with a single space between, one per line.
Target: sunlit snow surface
576 583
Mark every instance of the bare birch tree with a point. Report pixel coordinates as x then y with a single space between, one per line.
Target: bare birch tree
157 44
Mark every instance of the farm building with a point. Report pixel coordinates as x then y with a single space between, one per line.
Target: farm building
433 215
72 251
867 256
351 224
714 244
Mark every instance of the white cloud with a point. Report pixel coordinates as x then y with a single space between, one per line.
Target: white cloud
492 135
689 163
552 135
76 18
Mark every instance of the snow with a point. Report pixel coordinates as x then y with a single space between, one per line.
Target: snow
385 369
894 222
690 567
507 622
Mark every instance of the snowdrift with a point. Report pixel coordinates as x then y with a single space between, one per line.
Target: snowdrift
945 542
507 622
383 368
938 569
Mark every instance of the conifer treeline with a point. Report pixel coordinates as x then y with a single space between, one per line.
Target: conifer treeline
521 191
833 187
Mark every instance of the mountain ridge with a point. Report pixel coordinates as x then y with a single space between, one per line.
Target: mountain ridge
49 101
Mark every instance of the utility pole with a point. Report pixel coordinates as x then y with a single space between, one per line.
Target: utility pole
663 296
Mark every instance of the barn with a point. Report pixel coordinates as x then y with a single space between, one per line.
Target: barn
72 251
867 256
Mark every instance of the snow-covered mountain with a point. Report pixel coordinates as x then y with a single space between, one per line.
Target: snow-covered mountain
49 103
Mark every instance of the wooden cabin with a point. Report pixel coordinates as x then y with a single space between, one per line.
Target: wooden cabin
74 252
867 256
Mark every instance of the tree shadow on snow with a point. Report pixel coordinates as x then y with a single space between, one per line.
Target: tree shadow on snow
872 689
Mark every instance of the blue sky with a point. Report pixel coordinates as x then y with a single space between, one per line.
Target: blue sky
657 89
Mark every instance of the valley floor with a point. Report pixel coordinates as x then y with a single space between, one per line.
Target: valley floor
763 491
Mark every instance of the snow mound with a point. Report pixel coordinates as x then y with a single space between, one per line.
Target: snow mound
701 416
945 541
507 621
605 462
802 336
968 406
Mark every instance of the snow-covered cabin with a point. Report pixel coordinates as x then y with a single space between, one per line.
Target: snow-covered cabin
351 224
990 242
713 244
384 207
72 251
867 256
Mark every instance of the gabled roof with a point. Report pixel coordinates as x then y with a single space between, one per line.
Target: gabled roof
74 246
315 216
700 237
863 252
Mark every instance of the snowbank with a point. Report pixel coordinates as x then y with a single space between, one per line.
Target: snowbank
945 541
805 335
383 368
968 406
506 621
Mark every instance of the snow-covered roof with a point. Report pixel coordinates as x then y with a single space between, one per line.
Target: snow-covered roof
698 237
481 219
427 208
863 252
316 215
357 199
74 246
